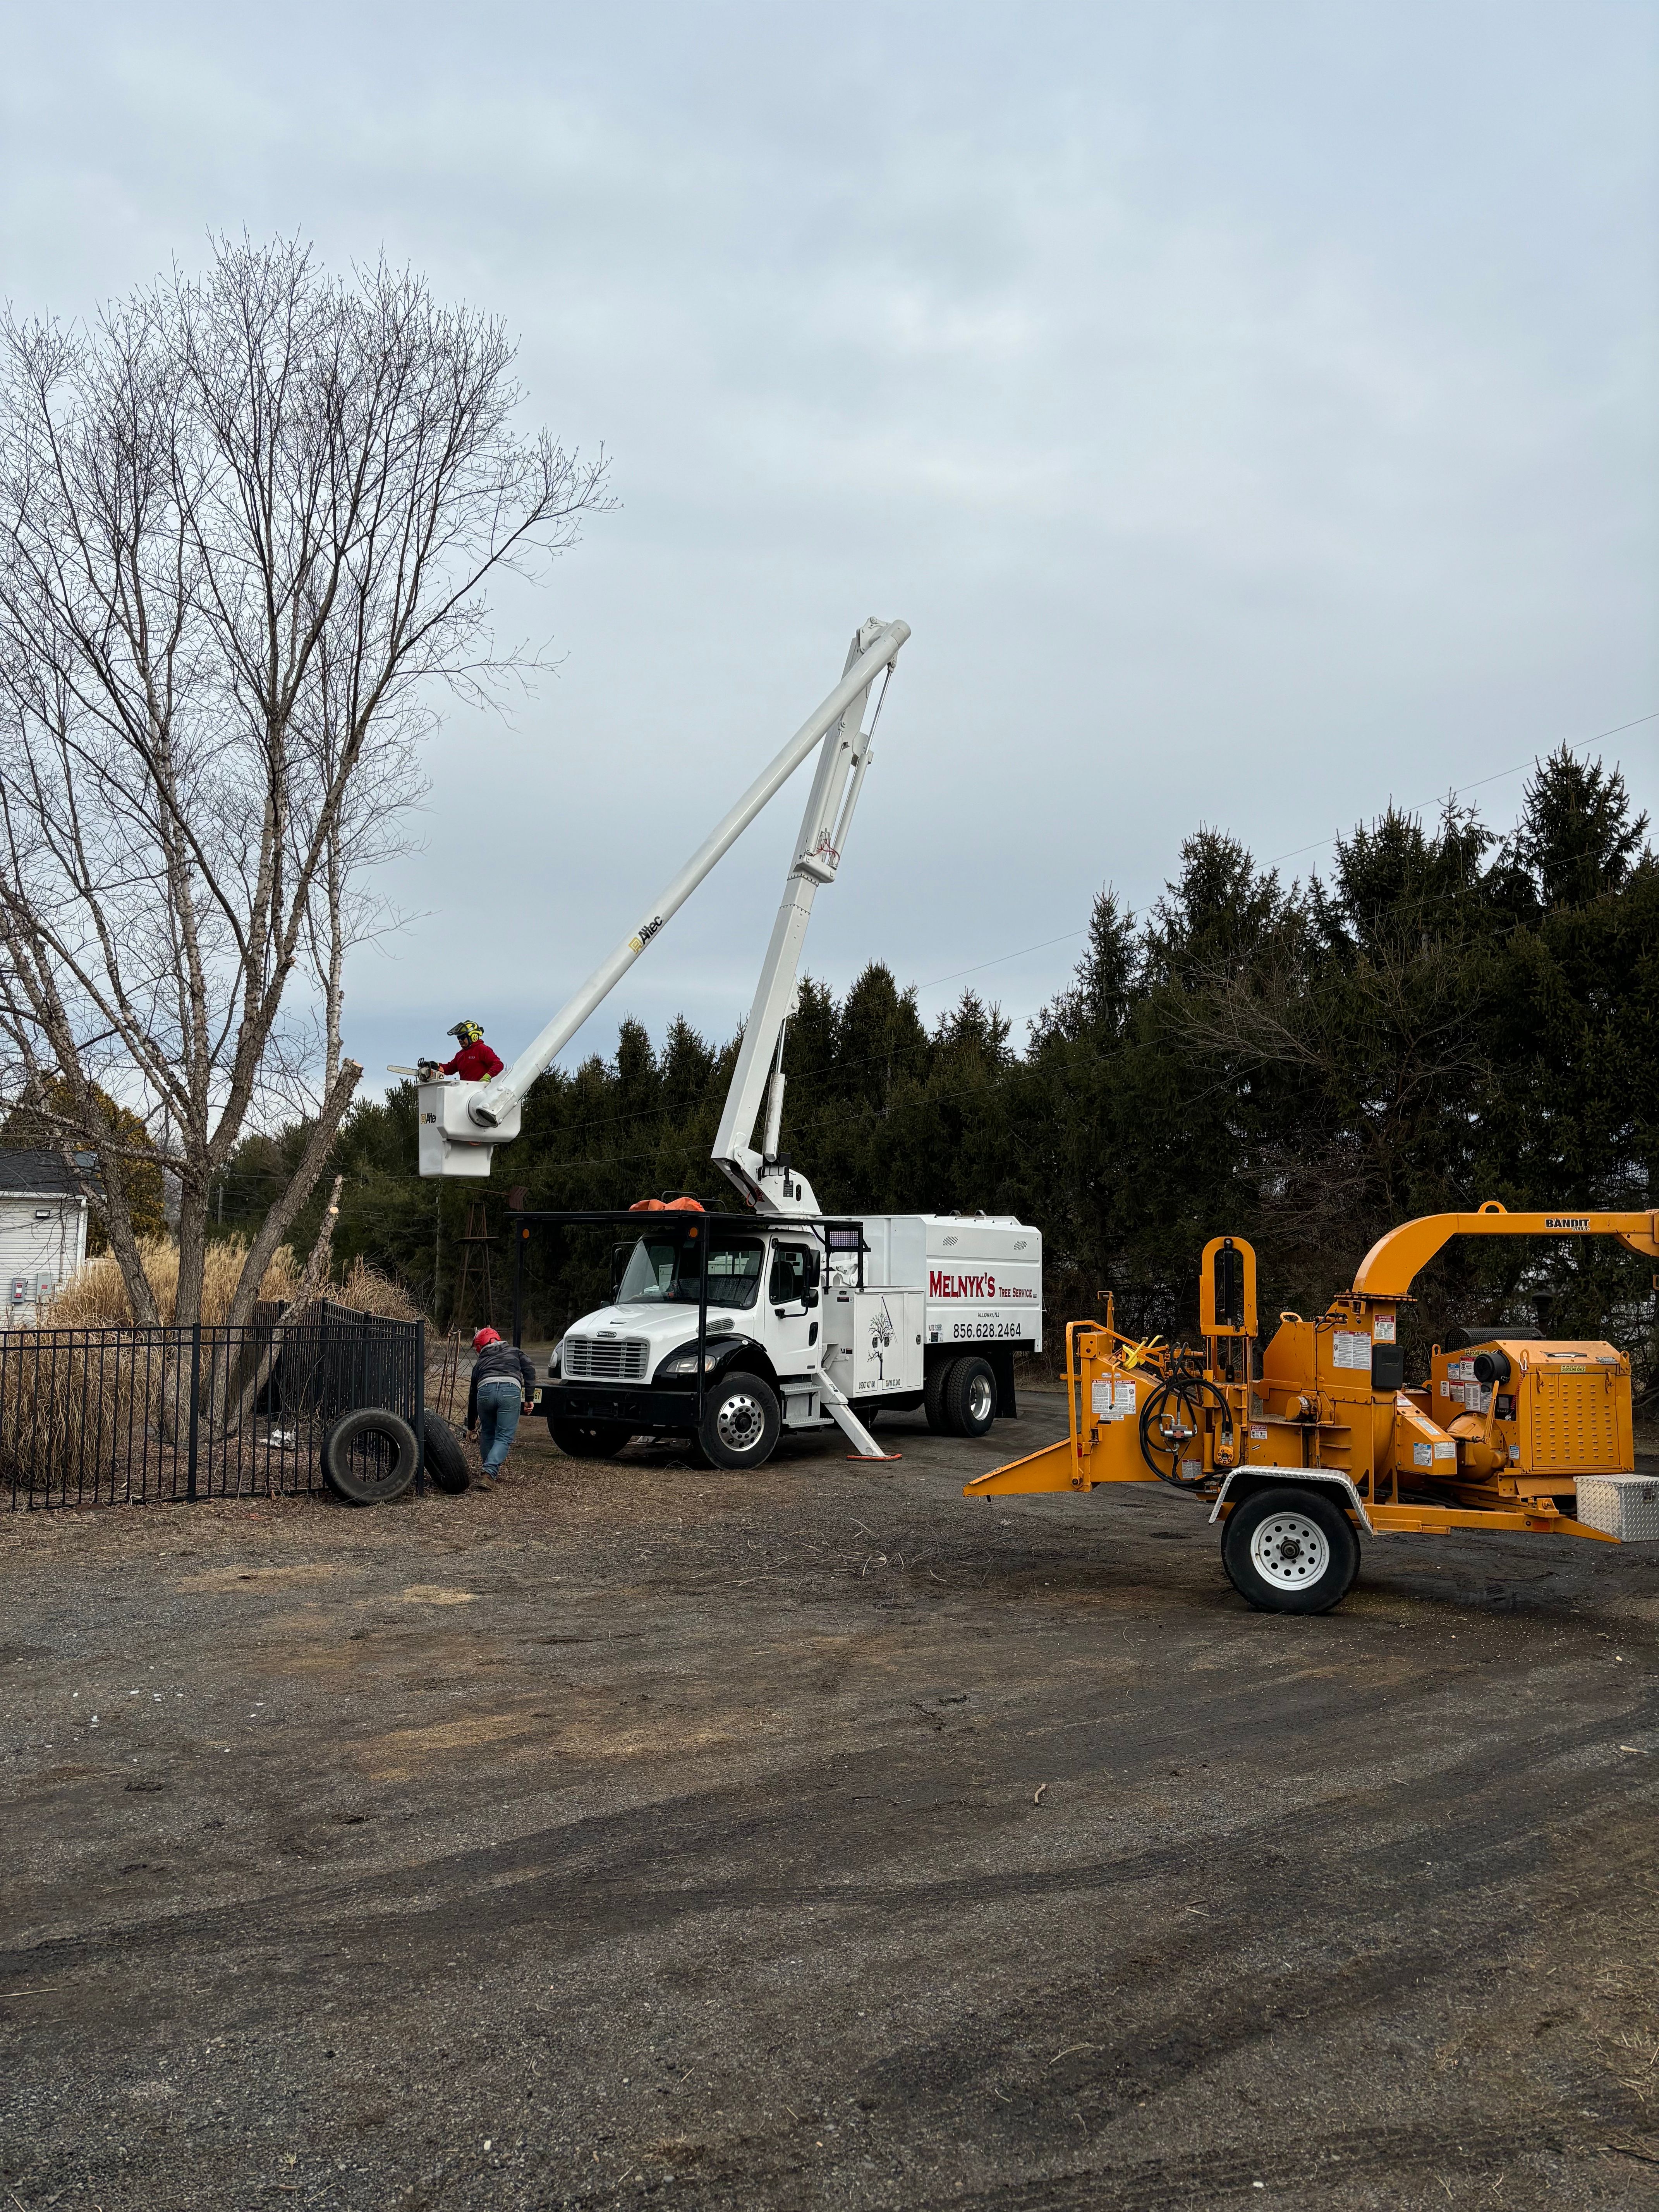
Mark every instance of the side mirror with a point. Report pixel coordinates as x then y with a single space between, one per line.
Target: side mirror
618 1266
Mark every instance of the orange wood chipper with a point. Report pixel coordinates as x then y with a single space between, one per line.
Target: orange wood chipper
1508 1431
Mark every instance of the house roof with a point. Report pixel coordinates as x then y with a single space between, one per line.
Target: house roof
36 1175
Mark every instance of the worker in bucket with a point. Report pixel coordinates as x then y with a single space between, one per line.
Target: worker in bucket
502 1380
474 1063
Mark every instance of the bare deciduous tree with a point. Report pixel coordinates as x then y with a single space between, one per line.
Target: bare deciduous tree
246 526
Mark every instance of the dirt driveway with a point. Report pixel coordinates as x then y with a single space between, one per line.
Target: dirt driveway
817 1840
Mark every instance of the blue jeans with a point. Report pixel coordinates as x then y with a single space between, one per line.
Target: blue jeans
499 1404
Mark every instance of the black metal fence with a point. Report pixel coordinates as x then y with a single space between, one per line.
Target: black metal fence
108 1416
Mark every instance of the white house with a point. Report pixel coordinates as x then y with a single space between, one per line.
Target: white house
43 1231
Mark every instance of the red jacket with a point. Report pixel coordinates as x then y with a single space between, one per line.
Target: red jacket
473 1062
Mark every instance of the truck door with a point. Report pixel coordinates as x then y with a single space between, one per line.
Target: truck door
792 1292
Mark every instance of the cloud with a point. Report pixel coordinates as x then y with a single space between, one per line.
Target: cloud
1252 410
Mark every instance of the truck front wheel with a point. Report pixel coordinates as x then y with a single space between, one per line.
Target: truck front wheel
740 1421
1289 1550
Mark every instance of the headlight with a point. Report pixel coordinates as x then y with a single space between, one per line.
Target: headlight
554 1357
685 1363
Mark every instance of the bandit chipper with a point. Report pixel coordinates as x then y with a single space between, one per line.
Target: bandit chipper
1327 1440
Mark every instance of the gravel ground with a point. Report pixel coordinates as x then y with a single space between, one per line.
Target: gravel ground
817 1839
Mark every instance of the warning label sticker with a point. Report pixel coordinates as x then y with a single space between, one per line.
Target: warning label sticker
1350 1348
1382 1328
1113 1401
1423 1455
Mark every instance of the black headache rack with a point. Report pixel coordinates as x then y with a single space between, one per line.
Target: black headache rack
646 1406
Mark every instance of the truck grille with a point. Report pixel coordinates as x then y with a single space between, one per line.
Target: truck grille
597 1359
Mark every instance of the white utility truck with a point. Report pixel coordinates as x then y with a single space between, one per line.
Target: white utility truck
729 1330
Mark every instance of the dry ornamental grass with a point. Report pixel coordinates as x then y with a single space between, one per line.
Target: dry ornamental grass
94 1296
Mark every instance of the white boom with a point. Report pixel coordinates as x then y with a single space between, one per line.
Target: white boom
768 1182
461 1122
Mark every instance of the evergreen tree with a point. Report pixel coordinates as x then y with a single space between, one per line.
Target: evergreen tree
1427 1024
1577 840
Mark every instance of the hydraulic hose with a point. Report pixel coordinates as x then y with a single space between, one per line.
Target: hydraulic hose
1189 1391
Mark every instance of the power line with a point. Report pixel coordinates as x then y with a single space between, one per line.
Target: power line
1065 938
1068 936
1497 776
905 1052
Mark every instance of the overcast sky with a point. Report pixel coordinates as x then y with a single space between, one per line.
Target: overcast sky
1252 409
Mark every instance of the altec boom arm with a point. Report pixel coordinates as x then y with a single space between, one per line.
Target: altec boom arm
760 1177
473 1117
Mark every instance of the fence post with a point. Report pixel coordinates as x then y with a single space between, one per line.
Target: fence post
420 1406
195 1405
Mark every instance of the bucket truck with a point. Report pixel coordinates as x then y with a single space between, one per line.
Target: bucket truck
729 1331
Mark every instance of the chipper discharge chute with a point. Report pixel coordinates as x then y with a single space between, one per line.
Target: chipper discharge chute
1326 1439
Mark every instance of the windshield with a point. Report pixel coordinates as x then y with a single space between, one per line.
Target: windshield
663 1271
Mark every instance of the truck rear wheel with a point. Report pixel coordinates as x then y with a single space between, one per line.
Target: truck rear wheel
1289 1550
971 1397
932 1398
741 1422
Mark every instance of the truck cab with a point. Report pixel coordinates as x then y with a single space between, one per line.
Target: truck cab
796 1316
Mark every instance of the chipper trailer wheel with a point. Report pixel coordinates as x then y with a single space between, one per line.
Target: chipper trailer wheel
1289 1550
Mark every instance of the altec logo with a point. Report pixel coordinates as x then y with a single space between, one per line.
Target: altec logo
941 1285
1567 1221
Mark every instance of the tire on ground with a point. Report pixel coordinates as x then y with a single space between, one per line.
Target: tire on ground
1289 1550
741 1422
445 1462
588 1439
971 1397
369 1457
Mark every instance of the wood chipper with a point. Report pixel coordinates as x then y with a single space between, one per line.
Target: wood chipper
1508 1431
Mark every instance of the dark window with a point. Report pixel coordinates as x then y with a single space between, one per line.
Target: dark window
790 1273
663 1271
